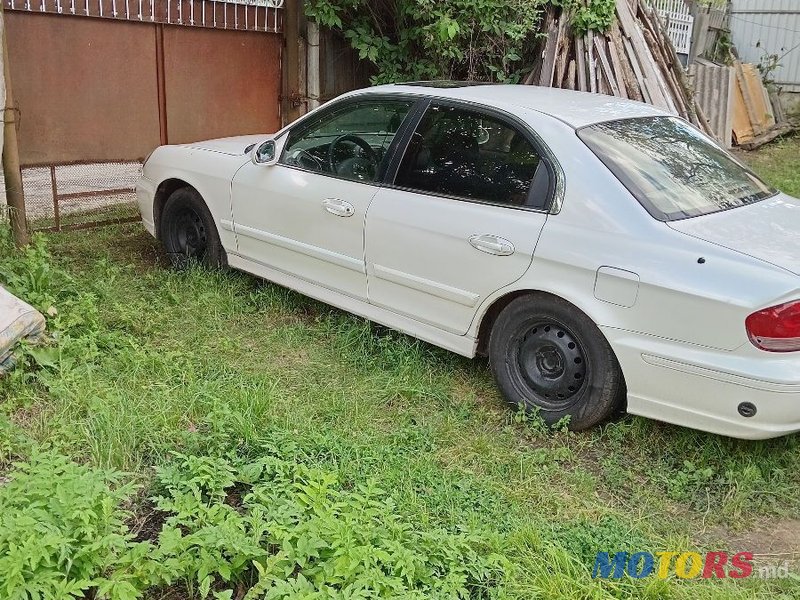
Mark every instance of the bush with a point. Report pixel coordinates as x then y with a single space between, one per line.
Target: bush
426 39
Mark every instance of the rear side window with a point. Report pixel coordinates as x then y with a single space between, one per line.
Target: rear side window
672 169
467 154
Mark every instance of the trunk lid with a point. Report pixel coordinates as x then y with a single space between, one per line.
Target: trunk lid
768 230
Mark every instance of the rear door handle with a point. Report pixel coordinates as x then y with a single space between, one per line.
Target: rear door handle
340 208
492 244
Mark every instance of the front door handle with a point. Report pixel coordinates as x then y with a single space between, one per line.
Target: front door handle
337 207
492 244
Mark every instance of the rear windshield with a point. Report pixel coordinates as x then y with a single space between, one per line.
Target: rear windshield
672 169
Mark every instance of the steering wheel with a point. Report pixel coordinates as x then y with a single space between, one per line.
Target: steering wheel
369 154
304 158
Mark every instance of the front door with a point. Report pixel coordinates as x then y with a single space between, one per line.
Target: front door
461 219
305 215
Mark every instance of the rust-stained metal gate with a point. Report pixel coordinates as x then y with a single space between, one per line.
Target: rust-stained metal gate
99 83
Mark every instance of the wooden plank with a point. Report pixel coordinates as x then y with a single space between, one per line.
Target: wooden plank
765 138
627 73
563 51
605 66
571 76
616 66
669 88
580 56
550 49
590 61
777 107
634 62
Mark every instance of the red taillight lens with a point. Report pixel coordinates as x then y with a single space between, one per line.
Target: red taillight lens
776 329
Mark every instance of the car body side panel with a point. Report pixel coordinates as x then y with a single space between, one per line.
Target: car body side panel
601 225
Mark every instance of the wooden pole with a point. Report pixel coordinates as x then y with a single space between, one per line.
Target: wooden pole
11 167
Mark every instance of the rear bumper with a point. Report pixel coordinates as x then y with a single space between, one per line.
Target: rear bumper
145 196
702 388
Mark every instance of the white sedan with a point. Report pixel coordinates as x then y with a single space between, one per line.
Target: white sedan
606 256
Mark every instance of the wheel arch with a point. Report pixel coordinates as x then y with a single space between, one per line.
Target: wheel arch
164 190
489 317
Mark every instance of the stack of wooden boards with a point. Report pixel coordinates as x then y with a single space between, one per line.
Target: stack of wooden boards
634 59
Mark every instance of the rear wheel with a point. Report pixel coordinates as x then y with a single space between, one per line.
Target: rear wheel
188 231
548 357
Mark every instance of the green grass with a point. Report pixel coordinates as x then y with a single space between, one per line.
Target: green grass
778 163
211 363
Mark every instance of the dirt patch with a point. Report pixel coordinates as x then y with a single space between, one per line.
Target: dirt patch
148 522
776 541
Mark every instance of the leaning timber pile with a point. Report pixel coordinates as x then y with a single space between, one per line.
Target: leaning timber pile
633 59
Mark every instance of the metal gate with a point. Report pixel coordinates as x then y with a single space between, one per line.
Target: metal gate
99 83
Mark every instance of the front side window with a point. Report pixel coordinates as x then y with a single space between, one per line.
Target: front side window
467 154
350 143
672 169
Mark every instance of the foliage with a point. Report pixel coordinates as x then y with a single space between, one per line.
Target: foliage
295 532
589 15
70 309
63 532
768 64
273 526
426 39
723 45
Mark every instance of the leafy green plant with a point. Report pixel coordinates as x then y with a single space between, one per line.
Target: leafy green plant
589 15
76 336
284 530
63 533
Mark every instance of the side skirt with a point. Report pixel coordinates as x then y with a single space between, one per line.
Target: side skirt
463 345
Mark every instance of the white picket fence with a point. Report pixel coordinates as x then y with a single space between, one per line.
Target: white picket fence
680 22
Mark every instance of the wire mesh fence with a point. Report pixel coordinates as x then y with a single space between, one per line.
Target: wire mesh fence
80 195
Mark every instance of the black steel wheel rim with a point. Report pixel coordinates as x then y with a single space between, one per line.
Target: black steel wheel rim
189 235
553 364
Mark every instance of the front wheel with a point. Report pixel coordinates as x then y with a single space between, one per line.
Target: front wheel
188 231
549 358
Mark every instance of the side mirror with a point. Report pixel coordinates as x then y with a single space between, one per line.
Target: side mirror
265 154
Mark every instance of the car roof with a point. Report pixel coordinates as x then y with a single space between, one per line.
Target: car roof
576 109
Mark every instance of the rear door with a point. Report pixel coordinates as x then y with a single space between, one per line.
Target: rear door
461 216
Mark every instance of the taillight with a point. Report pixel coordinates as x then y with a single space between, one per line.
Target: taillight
776 329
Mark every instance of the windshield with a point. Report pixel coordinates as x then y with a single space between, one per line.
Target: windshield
672 169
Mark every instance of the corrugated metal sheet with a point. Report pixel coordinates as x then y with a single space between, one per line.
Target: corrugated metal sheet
762 27
713 86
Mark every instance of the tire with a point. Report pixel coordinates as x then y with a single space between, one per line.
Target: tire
550 359
188 232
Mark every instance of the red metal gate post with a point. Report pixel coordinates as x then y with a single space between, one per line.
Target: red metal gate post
161 85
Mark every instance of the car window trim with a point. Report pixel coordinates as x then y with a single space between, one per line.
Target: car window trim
341 105
554 170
